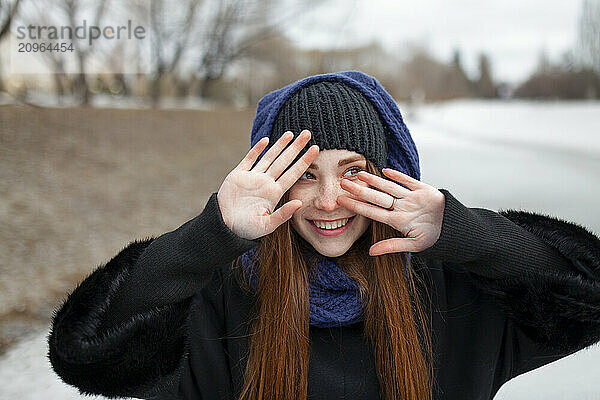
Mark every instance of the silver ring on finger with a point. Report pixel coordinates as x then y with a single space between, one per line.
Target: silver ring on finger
391 208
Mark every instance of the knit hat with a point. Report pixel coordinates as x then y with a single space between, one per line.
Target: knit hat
402 153
338 117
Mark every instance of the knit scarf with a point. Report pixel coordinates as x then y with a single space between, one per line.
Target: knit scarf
334 298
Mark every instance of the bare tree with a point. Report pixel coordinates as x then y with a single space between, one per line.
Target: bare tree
55 61
485 85
235 26
71 8
221 46
66 13
544 64
562 79
171 34
195 44
560 83
589 34
458 83
8 9
422 77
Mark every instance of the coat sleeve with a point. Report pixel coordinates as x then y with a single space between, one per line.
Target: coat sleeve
123 331
543 272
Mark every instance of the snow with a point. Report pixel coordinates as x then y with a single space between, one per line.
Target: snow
549 126
547 159
572 377
539 156
26 374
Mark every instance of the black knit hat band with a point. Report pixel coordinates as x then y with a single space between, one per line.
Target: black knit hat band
338 116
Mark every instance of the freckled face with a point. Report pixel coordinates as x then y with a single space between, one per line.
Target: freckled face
330 228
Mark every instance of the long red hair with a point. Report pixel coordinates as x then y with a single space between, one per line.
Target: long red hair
395 324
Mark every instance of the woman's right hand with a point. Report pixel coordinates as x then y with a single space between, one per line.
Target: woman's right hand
248 196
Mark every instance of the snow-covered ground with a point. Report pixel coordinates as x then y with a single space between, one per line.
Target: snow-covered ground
494 154
542 157
25 373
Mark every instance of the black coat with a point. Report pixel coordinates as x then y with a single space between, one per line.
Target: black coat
165 318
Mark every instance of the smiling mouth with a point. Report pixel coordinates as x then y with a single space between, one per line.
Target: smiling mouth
331 225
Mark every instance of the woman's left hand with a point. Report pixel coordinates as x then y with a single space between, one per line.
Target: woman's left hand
417 214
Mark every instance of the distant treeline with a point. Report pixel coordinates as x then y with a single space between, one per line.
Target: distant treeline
237 52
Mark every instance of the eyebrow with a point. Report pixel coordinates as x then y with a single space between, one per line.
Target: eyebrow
341 162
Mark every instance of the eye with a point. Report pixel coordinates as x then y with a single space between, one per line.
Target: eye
306 175
354 170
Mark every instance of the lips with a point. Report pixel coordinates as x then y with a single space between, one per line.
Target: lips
330 220
330 232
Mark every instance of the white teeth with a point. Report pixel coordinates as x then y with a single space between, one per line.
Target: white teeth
331 225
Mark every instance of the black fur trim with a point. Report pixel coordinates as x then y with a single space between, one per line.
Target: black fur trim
557 309
138 358
572 240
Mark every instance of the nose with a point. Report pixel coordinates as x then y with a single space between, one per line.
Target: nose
327 195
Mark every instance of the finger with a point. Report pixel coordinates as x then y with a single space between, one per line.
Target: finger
295 171
283 213
394 245
288 155
402 178
248 161
273 152
368 210
385 185
370 195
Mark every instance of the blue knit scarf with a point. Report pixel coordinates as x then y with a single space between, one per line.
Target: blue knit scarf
334 298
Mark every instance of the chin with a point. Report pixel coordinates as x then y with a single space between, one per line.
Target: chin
331 252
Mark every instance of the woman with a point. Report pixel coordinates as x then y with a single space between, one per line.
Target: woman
324 268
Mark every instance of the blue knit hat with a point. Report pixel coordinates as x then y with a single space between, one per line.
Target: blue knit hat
402 153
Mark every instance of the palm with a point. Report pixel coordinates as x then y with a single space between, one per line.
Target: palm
417 212
252 197
249 194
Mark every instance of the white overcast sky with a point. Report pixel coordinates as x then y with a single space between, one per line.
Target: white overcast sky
511 32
